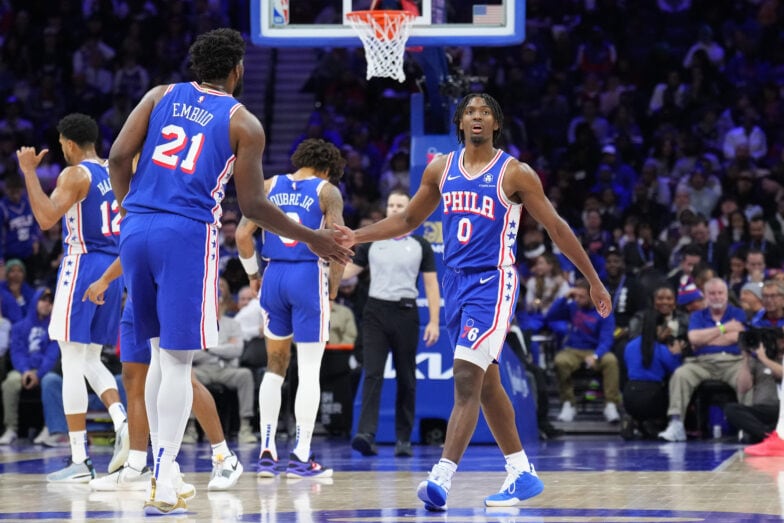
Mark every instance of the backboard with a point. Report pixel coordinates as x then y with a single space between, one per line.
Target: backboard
316 23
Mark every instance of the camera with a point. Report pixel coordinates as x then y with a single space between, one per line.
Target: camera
685 348
750 340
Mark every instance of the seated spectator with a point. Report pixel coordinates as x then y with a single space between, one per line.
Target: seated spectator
689 258
220 364
19 229
56 428
650 358
588 343
690 297
546 284
15 293
759 375
250 317
751 299
713 335
33 355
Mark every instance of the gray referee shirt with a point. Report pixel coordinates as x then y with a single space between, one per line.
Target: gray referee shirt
395 265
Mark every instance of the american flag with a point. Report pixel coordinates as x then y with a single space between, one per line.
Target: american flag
488 14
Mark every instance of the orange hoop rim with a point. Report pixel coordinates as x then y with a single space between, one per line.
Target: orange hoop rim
378 15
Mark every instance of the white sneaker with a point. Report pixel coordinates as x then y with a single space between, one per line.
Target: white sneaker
567 412
435 489
8 437
42 436
184 490
122 446
225 472
675 431
125 478
611 413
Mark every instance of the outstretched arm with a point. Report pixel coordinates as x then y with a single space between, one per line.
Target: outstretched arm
523 184
422 205
247 138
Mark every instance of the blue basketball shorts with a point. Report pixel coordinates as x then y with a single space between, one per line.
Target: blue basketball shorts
170 264
480 307
74 320
295 301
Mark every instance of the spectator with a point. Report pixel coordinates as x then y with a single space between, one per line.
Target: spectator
690 297
546 284
220 364
713 335
649 359
20 232
748 135
706 43
33 356
751 299
759 373
15 293
588 344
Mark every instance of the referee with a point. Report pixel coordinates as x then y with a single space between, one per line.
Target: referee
391 321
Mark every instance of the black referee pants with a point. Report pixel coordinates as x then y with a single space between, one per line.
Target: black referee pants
387 326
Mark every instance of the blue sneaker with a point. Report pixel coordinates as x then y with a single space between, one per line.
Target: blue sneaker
73 472
268 466
306 469
517 487
434 490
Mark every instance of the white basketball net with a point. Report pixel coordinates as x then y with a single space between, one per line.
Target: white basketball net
384 35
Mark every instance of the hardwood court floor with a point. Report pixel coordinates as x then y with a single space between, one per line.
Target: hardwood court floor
587 479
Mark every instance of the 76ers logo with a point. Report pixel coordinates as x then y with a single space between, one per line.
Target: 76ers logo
469 331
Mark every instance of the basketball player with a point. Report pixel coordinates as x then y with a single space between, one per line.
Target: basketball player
192 137
300 311
135 357
84 200
482 191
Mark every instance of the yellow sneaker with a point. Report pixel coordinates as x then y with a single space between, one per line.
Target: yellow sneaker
153 507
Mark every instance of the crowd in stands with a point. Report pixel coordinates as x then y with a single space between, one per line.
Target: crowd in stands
657 129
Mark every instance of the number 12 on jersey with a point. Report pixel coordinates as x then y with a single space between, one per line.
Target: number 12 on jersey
167 154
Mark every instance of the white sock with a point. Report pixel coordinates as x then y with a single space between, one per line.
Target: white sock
221 449
78 445
118 414
304 437
269 410
137 459
518 460
449 465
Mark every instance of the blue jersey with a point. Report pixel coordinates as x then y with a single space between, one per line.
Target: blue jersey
299 199
186 159
20 227
479 222
93 224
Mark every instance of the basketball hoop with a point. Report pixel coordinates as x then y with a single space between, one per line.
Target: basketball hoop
383 34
